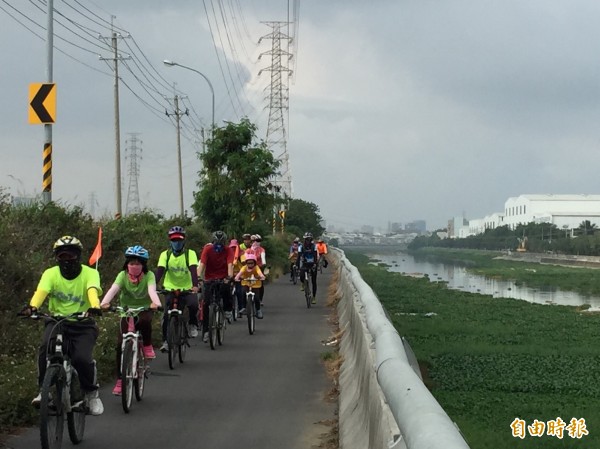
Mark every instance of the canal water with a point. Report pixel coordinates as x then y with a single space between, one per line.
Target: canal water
459 278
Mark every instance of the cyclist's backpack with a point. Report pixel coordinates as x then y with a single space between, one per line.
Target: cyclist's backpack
187 259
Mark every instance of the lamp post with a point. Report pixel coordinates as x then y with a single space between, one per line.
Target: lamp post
212 91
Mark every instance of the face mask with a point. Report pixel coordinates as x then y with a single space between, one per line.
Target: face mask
177 246
69 269
218 247
135 272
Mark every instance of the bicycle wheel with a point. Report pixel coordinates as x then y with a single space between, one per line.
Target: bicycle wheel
127 376
140 379
183 338
52 414
295 275
172 339
220 326
250 313
212 325
76 417
307 292
235 303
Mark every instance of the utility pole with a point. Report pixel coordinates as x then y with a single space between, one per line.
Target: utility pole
133 193
47 153
178 115
115 58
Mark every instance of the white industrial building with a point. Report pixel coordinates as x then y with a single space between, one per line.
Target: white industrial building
564 211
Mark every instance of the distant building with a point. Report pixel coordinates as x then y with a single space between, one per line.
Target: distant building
564 211
419 226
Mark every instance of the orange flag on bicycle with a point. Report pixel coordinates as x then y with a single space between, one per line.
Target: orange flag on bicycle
97 254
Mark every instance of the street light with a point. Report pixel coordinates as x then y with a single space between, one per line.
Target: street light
212 91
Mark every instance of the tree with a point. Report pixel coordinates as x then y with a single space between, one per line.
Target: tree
586 228
236 181
302 217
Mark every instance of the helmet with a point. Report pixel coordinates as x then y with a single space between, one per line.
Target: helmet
233 243
297 240
68 242
138 252
219 237
250 256
320 240
246 237
176 232
257 238
308 235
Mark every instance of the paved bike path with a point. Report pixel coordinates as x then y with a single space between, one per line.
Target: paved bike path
256 391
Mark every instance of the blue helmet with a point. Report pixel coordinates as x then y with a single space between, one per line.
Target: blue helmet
137 251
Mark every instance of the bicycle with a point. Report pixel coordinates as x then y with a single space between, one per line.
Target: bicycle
234 300
320 264
134 367
216 314
61 392
250 306
177 327
307 285
295 274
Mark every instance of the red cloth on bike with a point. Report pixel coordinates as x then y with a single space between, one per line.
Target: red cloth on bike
216 262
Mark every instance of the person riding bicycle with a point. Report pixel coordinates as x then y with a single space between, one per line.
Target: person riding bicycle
136 287
179 268
322 249
70 287
261 261
293 256
238 254
246 243
251 270
308 257
216 263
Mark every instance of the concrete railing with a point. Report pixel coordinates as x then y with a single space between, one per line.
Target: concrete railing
383 401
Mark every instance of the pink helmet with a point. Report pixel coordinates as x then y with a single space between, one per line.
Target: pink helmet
233 242
250 256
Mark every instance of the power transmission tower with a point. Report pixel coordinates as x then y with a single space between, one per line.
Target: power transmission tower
133 193
278 102
116 58
178 113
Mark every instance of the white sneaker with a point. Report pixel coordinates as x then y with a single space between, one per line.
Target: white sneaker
94 403
193 330
205 337
37 400
229 317
242 311
164 347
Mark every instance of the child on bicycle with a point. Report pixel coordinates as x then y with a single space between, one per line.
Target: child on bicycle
71 287
293 256
136 286
251 276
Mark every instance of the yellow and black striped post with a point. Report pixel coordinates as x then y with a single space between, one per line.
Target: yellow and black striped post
47 170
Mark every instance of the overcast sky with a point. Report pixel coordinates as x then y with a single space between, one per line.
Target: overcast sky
399 110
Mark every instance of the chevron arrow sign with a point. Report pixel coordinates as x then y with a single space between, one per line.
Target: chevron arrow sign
42 103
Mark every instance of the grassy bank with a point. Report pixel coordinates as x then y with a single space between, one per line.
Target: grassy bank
489 361
581 280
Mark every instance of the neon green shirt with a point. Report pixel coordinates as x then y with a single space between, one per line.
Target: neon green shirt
69 296
135 295
178 276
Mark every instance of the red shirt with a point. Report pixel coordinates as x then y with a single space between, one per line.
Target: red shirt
216 263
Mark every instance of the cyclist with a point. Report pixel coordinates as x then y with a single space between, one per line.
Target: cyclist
322 249
71 287
216 263
261 261
293 256
246 243
238 291
251 270
179 268
308 257
136 287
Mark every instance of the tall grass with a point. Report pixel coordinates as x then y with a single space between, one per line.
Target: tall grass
489 361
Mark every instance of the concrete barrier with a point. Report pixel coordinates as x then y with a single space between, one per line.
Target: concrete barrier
383 401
